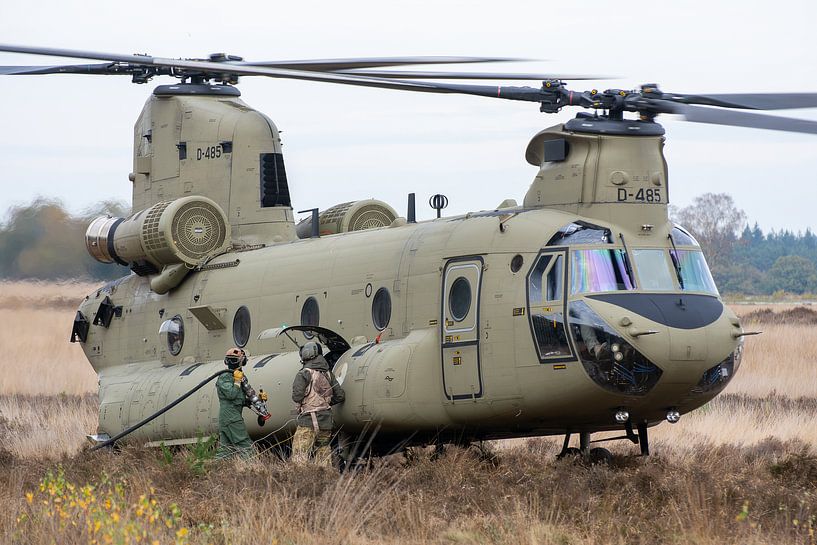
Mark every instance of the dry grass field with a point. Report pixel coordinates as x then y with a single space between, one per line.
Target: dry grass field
742 469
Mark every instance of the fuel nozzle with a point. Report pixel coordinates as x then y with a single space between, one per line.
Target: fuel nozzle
255 401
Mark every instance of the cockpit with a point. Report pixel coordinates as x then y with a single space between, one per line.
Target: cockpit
583 262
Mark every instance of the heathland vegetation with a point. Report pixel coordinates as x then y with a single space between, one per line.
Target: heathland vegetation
742 469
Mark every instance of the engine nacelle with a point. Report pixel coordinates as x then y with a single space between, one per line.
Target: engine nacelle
349 216
182 231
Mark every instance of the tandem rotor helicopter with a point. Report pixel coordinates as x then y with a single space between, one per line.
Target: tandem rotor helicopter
583 309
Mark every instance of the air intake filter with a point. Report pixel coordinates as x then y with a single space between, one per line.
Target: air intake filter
185 230
350 216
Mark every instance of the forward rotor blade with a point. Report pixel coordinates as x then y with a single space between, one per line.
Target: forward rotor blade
466 75
752 101
699 114
103 68
334 65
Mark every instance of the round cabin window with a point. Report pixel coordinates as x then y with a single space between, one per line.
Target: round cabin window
241 326
381 309
310 315
459 298
173 332
516 263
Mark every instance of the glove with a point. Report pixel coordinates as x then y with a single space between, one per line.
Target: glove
238 376
262 395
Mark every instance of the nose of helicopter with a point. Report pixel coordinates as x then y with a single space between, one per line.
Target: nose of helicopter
662 346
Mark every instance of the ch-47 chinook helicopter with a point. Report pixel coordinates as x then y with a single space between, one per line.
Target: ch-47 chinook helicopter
582 310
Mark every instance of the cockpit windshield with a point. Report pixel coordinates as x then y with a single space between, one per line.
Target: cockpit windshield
600 270
654 271
695 275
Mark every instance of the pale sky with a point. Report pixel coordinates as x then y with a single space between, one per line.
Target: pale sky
70 137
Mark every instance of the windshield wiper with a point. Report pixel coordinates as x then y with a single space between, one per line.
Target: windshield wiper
674 255
627 266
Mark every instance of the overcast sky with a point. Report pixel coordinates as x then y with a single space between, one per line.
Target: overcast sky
70 137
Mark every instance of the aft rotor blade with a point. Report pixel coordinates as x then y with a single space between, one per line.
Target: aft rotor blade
466 75
313 65
700 114
76 54
512 93
752 101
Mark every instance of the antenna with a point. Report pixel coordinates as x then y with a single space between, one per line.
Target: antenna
438 202
411 215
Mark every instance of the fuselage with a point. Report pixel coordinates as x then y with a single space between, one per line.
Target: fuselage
507 323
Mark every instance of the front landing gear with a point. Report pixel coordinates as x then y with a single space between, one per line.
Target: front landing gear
643 438
600 455
594 456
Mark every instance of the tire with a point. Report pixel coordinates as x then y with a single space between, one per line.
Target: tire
600 456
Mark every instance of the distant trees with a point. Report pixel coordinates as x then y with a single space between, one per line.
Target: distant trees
744 259
794 274
43 241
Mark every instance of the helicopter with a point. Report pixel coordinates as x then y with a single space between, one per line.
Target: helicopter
582 310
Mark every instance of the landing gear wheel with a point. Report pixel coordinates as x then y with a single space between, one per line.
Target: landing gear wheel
600 456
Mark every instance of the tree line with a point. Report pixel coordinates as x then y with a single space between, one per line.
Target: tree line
744 259
42 240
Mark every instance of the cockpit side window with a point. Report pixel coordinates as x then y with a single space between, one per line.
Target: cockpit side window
546 280
555 280
599 270
546 306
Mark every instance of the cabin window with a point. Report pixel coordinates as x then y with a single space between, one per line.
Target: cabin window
381 309
310 315
172 331
653 270
241 326
459 299
516 263
694 272
600 270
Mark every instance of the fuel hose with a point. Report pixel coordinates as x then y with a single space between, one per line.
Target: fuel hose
158 413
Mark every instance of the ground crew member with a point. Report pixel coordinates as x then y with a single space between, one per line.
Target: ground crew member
232 433
314 390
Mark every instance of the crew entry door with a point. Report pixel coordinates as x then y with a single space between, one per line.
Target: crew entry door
462 280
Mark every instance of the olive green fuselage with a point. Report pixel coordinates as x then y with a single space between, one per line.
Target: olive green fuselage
479 377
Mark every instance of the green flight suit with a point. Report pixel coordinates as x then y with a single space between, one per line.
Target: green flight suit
232 433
